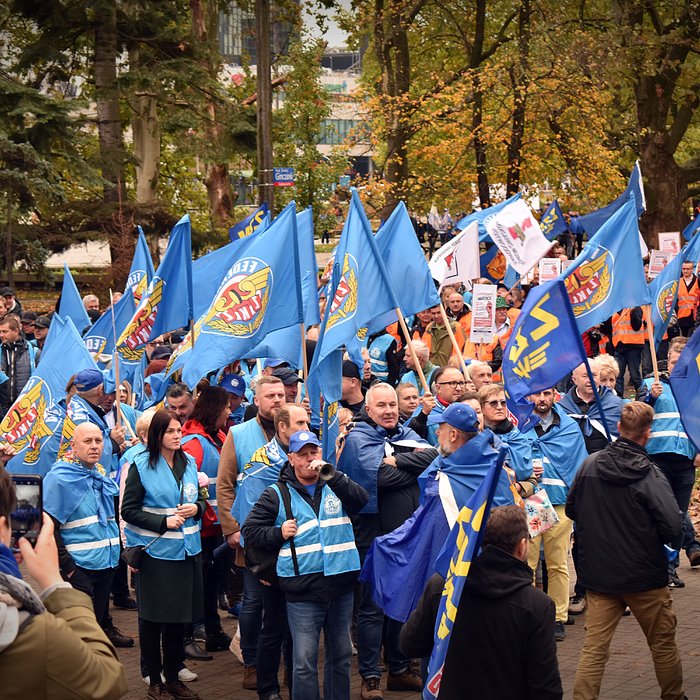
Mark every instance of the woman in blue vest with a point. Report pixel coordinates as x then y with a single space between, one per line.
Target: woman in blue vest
161 508
203 438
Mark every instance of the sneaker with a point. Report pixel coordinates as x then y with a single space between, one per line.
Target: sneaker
675 582
408 680
577 605
147 680
694 557
371 689
125 604
559 631
118 638
179 690
219 641
250 678
199 634
235 647
194 652
159 692
184 674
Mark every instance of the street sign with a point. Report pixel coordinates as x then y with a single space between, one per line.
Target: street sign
283 177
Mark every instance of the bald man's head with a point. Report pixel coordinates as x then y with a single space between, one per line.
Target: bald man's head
87 444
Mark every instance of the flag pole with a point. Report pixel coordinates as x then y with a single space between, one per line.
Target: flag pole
652 344
305 364
412 350
115 360
531 268
456 347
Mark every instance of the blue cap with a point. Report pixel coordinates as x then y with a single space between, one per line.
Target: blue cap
302 438
459 416
233 383
88 379
274 362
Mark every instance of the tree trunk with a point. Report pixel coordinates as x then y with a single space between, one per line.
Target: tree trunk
9 257
266 190
479 143
145 128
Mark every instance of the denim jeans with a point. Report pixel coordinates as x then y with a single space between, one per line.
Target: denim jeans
250 617
630 359
274 633
306 620
370 631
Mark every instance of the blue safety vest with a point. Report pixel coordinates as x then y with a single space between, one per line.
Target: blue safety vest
667 432
91 545
377 356
247 437
324 544
411 377
210 466
162 496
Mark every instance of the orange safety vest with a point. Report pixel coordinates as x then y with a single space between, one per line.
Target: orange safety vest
483 352
688 298
623 331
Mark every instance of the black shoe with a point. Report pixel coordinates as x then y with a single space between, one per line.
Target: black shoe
118 638
194 652
559 631
222 601
219 641
694 557
159 692
179 690
570 620
675 582
126 604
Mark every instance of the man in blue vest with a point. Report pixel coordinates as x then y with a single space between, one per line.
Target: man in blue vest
317 565
79 497
385 357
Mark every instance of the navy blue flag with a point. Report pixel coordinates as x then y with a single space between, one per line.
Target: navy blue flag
543 347
552 222
260 218
685 384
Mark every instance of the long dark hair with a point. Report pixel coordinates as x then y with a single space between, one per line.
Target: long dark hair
208 407
156 431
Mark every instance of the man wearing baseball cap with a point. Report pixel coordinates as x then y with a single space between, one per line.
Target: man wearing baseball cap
318 562
40 329
235 385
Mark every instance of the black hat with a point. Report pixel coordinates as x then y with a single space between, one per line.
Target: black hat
351 370
287 376
162 352
29 317
7 291
42 322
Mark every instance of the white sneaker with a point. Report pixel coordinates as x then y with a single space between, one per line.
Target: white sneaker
146 680
235 646
185 675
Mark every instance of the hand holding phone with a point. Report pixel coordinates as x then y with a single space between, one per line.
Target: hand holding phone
25 519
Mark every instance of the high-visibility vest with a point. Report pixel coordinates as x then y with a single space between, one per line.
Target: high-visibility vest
623 331
483 352
688 298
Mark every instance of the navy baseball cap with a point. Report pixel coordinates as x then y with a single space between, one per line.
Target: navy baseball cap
88 379
274 362
302 438
233 383
459 416
287 376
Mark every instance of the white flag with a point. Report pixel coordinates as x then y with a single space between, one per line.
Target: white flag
518 236
458 260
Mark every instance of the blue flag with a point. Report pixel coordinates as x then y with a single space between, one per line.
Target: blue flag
591 223
167 302
71 305
685 384
483 215
259 294
453 564
359 292
34 422
142 271
663 291
691 251
543 347
692 228
608 274
100 340
493 264
552 222
309 267
259 218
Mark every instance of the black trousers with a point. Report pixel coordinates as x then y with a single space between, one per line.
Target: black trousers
97 584
274 635
173 650
212 575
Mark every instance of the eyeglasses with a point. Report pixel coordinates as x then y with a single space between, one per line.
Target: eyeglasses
496 403
453 385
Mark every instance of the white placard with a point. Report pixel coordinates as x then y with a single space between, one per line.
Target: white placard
483 327
669 242
658 259
550 269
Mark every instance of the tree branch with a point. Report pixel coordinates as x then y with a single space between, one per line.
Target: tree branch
682 120
501 37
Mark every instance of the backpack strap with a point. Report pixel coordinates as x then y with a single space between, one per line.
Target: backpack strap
287 501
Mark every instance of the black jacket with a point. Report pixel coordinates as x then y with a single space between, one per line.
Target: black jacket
624 511
259 531
15 362
502 642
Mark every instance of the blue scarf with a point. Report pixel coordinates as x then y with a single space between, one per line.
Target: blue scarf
8 563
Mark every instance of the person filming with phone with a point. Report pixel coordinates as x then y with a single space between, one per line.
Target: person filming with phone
50 644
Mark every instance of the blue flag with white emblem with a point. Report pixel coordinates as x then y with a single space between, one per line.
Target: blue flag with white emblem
34 422
260 218
71 305
663 291
100 340
543 347
608 274
453 564
552 222
685 384
141 271
167 302
691 251
259 294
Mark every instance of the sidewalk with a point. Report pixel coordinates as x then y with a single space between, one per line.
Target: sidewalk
629 673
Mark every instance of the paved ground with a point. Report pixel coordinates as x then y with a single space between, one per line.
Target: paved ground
629 673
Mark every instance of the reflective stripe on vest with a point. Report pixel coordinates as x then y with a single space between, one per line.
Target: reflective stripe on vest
210 467
667 432
161 497
623 331
93 546
688 298
324 544
377 356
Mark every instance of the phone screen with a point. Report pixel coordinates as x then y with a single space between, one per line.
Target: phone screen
26 517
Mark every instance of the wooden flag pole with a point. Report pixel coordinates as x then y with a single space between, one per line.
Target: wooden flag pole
115 361
305 364
412 350
530 269
652 347
456 347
